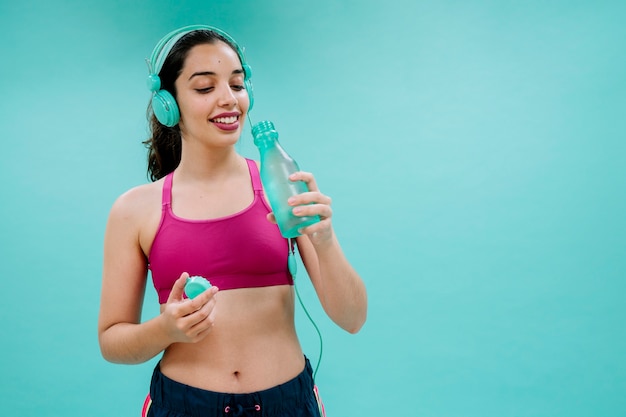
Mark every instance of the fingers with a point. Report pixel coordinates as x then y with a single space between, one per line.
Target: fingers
189 320
206 300
307 177
193 319
206 297
313 209
319 231
178 289
312 203
201 321
312 197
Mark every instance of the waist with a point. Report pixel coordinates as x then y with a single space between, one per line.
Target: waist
250 364
193 401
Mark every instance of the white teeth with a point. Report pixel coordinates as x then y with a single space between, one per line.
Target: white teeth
226 120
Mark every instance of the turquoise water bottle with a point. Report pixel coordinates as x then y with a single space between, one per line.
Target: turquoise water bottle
276 166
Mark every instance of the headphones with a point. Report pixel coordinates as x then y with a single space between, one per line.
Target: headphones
163 103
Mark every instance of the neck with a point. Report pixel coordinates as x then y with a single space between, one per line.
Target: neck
207 164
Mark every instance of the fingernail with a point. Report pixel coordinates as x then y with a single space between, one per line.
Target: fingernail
291 201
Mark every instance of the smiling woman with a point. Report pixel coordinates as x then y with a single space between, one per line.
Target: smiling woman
233 348
218 95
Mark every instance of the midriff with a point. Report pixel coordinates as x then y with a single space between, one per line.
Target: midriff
252 346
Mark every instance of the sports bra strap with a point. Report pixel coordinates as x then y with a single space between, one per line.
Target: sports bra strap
167 189
254 174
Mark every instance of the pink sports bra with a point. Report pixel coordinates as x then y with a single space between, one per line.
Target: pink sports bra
242 250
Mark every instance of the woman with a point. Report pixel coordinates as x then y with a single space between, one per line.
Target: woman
232 349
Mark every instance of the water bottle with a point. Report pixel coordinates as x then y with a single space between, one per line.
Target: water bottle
276 166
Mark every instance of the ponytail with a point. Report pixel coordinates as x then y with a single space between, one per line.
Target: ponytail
164 148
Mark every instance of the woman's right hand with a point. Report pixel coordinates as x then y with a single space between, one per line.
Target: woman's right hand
188 320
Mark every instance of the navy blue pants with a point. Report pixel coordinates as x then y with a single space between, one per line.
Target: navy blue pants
294 398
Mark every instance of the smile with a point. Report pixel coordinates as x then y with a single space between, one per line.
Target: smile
225 120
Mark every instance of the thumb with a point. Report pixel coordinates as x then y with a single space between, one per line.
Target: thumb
271 218
179 288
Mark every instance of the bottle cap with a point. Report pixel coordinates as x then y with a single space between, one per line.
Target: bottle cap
195 286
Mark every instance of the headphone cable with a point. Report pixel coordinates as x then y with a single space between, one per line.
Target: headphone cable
293 270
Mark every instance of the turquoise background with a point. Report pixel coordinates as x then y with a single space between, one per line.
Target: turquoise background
474 150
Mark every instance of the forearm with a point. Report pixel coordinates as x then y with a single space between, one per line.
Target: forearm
341 290
130 343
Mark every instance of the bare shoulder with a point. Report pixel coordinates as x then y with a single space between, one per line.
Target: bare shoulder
136 214
139 200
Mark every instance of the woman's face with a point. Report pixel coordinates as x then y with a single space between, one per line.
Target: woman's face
211 95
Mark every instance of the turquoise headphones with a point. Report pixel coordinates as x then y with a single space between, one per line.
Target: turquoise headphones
163 103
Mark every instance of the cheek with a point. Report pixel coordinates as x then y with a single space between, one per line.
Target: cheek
244 101
192 106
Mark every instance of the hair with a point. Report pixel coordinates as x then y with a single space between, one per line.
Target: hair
165 143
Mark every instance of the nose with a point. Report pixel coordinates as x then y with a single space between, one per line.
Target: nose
226 97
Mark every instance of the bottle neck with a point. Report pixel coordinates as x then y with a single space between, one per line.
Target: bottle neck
266 141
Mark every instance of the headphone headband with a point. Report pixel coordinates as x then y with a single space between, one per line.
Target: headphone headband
163 104
165 45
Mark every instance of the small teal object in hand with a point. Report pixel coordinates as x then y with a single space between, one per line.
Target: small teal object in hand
195 286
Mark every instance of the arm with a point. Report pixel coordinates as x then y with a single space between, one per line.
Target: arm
123 339
338 286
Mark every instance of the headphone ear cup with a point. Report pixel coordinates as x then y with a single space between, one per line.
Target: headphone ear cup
165 108
248 85
247 75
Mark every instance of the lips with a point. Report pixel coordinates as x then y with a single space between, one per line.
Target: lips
226 121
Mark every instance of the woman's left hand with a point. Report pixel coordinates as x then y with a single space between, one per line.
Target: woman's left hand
311 203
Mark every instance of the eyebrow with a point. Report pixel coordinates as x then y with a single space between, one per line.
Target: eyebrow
211 73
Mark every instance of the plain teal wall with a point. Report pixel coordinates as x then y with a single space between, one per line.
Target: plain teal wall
475 153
